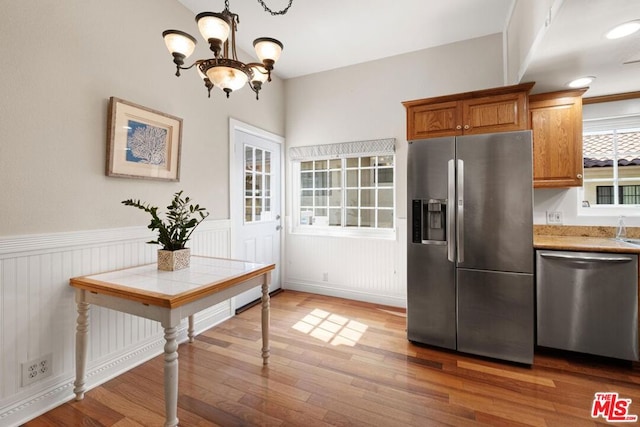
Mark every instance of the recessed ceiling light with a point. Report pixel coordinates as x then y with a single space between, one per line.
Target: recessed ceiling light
581 82
623 30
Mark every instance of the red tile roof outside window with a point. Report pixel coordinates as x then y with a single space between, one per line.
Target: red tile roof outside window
598 149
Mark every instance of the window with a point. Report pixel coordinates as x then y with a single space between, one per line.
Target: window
612 163
257 178
340 190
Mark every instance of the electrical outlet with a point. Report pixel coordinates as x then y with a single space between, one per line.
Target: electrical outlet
554 217
325 277
36 369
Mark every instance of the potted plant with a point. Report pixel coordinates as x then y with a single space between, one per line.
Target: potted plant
182 218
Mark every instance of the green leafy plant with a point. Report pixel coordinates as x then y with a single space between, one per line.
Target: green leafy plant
182 219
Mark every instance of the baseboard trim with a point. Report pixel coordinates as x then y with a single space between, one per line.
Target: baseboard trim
333 291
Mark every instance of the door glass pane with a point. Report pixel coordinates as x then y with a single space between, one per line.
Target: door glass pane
267 186
352 162
258 163
267 161
248 184
248 209
306 166
258 210
335 163
248 158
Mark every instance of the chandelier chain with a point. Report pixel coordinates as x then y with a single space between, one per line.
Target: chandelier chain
280 12
266 8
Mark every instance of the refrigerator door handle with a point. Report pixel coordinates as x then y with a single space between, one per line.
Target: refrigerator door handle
460 212
451 218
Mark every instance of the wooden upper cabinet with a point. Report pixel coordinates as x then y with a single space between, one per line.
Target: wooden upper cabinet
556 122
491 110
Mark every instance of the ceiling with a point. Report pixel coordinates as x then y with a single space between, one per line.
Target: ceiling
329 34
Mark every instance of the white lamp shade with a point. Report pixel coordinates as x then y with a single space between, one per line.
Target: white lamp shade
179 42
212 26
268 48
260 73
227 77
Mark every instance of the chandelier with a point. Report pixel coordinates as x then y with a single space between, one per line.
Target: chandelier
224 70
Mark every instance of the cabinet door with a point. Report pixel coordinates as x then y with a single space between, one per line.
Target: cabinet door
557 141
499 113
433 120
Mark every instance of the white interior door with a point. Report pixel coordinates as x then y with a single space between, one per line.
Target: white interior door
256 202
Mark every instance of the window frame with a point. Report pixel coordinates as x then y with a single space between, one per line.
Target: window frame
616 181
343 230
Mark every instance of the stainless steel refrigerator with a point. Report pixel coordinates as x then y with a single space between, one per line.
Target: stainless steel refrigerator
470 284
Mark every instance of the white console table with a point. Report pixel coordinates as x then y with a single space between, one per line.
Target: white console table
167 297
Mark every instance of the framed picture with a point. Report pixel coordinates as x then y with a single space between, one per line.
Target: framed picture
142 143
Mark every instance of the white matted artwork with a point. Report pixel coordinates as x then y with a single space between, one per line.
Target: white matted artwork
142 143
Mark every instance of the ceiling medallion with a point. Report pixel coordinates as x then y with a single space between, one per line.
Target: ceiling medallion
224 70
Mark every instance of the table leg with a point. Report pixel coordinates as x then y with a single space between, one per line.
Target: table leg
82 330
171 376
190 331
265 319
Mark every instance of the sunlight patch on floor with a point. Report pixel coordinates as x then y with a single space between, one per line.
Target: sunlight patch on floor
331 328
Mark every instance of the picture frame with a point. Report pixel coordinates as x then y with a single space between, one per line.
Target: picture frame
142 142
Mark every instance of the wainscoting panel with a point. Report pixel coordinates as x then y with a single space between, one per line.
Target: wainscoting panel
365 269
38 311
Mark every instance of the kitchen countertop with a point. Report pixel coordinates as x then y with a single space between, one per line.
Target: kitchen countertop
585 244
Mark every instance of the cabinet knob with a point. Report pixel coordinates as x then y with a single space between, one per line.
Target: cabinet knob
466 126
458 127
579 176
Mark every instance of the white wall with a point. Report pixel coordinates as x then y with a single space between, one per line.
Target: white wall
62 60
363 102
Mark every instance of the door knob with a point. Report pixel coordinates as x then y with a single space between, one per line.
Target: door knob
466 126
278 227
579 176
458 127
278 216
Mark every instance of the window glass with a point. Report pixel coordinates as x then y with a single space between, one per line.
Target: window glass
353 192
611 166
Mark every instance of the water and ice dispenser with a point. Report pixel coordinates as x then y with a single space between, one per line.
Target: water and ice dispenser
429 221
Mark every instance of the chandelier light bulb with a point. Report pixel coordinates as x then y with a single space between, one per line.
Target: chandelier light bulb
179 42
268 50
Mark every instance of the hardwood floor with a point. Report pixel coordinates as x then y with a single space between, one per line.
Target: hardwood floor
336 362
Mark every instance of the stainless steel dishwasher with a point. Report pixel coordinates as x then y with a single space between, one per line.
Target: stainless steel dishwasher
588 302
